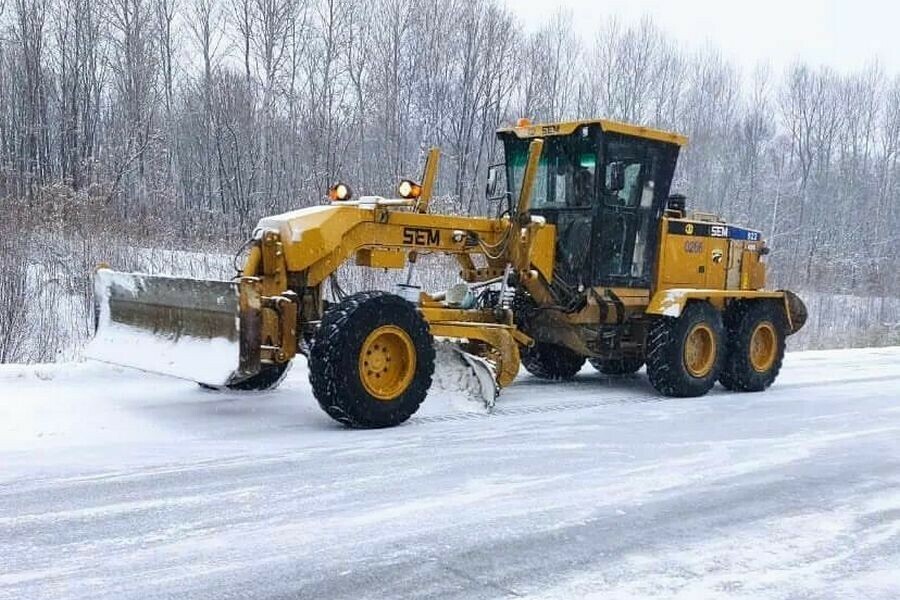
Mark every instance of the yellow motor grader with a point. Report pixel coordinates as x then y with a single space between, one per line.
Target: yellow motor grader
590 258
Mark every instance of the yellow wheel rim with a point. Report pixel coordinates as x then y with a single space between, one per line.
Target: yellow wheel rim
700 350
387 362
763 347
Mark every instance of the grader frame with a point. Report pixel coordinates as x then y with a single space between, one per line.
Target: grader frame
280 290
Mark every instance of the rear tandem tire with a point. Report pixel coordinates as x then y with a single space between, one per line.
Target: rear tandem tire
755 345
551 361
685 354
371 360
627 365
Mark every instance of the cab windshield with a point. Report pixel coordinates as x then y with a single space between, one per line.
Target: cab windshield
567 171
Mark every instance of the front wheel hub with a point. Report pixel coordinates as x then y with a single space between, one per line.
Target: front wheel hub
387 362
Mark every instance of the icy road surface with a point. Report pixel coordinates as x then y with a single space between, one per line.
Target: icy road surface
120 485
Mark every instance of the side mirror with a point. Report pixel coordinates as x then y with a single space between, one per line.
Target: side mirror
616 176
493 181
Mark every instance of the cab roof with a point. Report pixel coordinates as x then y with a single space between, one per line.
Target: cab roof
532 130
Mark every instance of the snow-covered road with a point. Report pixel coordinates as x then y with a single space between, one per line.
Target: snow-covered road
116 485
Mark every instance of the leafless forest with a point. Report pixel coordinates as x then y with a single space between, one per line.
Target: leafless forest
130 128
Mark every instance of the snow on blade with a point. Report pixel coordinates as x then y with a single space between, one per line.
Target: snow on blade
458 371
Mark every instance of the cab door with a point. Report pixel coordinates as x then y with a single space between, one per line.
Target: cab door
621 216
565 195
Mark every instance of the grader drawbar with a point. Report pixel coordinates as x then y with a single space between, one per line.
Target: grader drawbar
591 259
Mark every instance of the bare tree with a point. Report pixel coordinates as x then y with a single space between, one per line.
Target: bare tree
34 151
188 120
135 66
549 70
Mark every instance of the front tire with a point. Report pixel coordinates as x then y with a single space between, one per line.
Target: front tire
685 354
755 346
551 361
371 360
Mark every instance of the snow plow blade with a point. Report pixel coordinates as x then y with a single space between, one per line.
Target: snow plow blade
484 374
184 328
458 370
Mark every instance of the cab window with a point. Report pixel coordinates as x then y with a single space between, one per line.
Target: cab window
630 155
567 171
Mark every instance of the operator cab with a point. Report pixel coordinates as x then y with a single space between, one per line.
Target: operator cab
604 185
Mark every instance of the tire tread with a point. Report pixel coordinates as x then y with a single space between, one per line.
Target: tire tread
665 362
551 361
332 387
740 320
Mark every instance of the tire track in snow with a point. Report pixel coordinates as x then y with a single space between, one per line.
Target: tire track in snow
516 411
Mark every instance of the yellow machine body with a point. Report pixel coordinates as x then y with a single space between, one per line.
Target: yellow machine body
534 252
321 239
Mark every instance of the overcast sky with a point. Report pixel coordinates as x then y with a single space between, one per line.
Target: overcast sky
843 33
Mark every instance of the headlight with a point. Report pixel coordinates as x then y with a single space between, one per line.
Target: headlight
340 192
409 189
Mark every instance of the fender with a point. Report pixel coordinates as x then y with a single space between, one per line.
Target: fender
671 302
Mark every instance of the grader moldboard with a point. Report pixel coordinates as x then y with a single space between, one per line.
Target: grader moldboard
592 259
